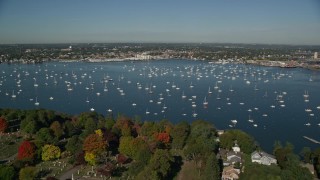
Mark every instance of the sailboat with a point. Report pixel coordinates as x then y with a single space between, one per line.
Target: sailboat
183 96
205 102
209 91
216 86
250 120
13 95
37 103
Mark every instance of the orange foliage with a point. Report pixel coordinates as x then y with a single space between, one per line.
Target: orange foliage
163 137
94 144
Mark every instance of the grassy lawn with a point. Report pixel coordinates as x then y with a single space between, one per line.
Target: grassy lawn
8 146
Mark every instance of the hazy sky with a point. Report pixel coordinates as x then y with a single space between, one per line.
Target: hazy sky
230 21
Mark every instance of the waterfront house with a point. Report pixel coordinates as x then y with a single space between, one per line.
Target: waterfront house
263 158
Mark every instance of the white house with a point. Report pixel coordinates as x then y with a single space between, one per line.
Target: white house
236 148
263 158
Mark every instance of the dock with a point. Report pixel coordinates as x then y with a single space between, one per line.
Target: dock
312 140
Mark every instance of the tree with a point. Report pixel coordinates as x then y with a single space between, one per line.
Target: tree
163 137
306 154
7 172
94 144
125 125
50 152
245 141
180 134
201 141
99 132
90 126
74 144
125 146
26 151
135 148
212 168
70 129
45 135
148 129
121 159
57 129
29 126
90 158
3 125
28 173
109 122
161 163
282 155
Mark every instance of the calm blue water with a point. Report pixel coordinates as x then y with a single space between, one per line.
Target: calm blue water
157 87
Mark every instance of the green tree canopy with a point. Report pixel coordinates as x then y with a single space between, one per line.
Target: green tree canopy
180 134
245 141
7 172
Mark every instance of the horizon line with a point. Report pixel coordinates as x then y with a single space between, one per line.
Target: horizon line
146 42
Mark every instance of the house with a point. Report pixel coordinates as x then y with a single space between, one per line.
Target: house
263 158
230 173
232 158
236 148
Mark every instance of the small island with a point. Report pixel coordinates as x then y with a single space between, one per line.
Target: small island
44 144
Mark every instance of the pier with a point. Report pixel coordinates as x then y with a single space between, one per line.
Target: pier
312 140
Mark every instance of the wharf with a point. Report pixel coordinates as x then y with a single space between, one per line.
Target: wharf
312 140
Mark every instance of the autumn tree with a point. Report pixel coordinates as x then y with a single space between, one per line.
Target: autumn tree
26 151
163 137
135 148
3 125
94 144
121 159
149 128
50 152
90 158
125 146
28 173
57 129
124 125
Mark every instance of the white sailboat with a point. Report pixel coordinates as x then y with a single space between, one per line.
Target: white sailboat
183 96
209 91
37 103
13 95
205 102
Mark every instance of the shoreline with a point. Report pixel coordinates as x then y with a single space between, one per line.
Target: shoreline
265 63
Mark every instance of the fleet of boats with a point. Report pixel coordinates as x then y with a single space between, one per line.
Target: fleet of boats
159 89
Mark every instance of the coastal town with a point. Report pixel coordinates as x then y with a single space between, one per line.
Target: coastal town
266 55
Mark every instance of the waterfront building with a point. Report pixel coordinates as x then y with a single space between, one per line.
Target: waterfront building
263 158
315 56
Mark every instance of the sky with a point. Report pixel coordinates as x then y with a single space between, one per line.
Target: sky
208 21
